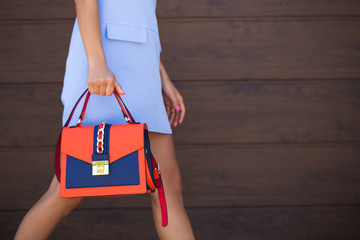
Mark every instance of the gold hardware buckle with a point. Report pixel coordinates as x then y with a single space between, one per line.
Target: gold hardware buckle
100 167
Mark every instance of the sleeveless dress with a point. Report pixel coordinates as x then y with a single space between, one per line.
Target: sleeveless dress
131 43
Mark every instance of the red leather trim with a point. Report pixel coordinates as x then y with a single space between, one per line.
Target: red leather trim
161 192
57 158
72 111
125 110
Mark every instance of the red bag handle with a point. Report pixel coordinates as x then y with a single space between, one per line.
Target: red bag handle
126 113
124 110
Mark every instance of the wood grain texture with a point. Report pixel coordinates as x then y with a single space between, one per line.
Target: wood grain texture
39 9
327 223
35 112
270 145
217 112
256 8
268 49
33 52
207 49
214 176
271 112
57 9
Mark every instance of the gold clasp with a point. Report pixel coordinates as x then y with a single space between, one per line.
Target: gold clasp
100 167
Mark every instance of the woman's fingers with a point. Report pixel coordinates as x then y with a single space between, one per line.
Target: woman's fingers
167 104
101 81
182 112
96 89
177 115
172 109
179 110
110 88
118 88
103 89
172 115
167 111
91 88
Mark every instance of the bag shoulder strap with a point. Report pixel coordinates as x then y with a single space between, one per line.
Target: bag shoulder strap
161 192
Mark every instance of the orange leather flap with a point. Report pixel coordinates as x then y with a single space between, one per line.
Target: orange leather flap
124 139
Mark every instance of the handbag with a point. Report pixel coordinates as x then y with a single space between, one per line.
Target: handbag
106 159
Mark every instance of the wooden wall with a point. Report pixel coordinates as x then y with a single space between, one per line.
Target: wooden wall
272 133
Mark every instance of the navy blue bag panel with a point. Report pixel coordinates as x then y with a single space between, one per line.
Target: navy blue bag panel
124 171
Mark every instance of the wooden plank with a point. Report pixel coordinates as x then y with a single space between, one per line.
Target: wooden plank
57 9
256 8
320 223
31 115
203 49
39 9
269 112
261 48
236 112
34 52
214 176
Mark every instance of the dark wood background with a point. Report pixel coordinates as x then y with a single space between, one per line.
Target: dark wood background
272 133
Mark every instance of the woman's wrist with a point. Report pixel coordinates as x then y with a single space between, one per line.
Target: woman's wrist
163 74
96 59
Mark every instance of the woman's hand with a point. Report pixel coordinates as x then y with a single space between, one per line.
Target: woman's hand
173 100
102 81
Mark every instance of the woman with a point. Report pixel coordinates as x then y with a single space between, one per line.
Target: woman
115 44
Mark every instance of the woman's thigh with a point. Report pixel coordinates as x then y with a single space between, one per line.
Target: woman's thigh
163 149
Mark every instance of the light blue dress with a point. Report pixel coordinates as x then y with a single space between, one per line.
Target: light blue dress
131 44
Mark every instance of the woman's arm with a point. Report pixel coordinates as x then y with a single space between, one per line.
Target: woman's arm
100 79
173 100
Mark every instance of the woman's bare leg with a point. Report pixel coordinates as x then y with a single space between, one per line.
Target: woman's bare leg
44 216
162 147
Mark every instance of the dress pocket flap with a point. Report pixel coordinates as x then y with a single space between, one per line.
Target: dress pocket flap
126 32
